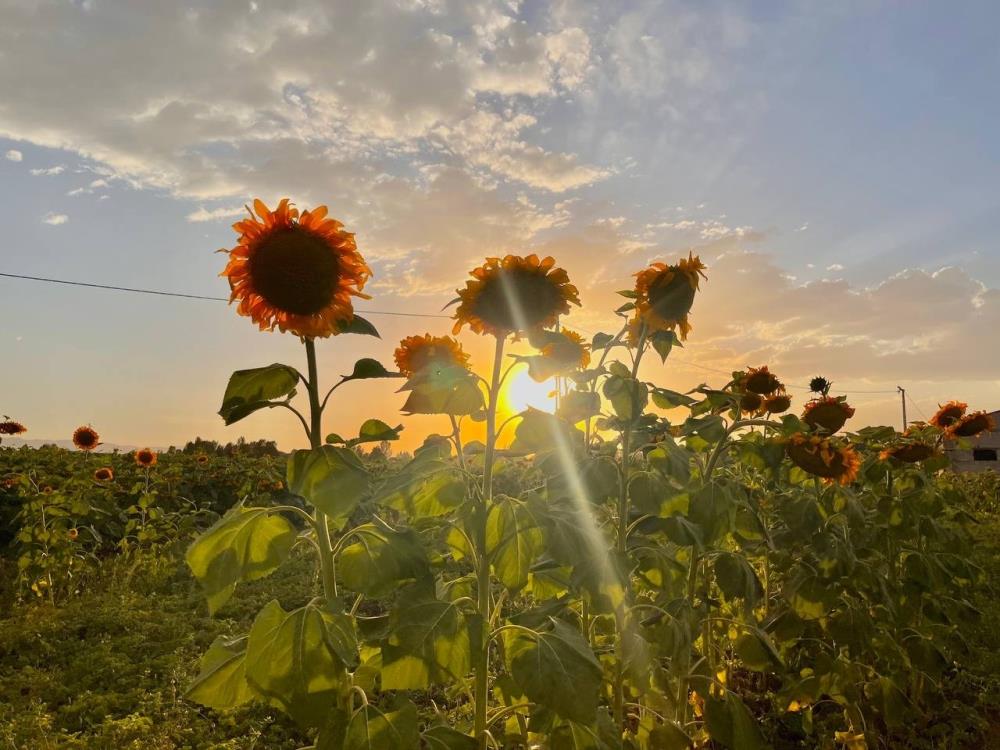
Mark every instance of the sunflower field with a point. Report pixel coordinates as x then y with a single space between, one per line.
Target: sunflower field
638 568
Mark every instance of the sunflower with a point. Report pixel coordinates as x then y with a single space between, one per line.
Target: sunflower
972 424
948 414
822 457
145 457
751 403
909 453
567 347
414 353
828 413
820 385
779 403
761 381
296 273
73 534
201 458
10 427
86 438
665 294
514 294
104 474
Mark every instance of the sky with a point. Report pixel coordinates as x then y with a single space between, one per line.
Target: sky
834 165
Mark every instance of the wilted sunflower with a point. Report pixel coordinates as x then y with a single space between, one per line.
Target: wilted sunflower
567 347
296 273
827 412
10 427
86 438
145 457
824 458
779 403
948 414
909 453
751 403
104 474
414 353
514 294
761 381
820 385
665 294
972 424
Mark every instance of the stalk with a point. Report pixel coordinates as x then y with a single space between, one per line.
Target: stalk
327 566
482 685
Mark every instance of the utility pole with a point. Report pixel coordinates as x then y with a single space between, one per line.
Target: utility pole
902 398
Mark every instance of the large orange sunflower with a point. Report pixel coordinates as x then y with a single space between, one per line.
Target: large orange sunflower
909 452
296 273
104 474
822 457
86 438
778 403
948 414
972 424
567 347
514 295
827 412
665 294
414 353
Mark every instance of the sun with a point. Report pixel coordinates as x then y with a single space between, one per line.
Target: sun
521 392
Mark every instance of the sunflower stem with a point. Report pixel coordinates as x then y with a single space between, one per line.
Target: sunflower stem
482 685
327 566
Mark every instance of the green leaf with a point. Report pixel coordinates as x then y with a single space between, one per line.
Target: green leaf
601 341
250 390
243 545
330 477
428 642
381 558
577 406
513 541
443 389
445 738
663 342
736 578
375 431
556 669
728 721
539 432
358 325
222 683
296 659
667 399
367 368
757 651
393 727
627 395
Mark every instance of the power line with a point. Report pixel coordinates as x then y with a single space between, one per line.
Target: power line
188 296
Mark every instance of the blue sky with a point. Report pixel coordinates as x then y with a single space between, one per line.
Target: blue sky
834 164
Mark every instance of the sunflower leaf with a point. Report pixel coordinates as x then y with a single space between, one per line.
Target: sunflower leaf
358 325
258 388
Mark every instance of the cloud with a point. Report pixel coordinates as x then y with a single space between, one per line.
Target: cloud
55 219
835 267
48 172
203 214
14 155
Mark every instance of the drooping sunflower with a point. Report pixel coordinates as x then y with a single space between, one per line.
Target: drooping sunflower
414 353
828 413
909 453
948 414
145 457
972 424
751 403
568 348
820 385
823 457
779 403
514 295
295 273
10 427
761 381
86 438
665 294
104 474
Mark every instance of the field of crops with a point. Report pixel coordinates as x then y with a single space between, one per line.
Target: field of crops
638 568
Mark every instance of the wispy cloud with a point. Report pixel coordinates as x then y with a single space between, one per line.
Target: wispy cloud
49 171
55 219
204 214
14 155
